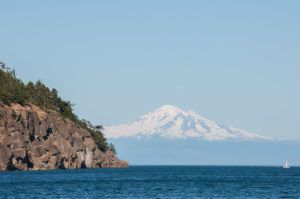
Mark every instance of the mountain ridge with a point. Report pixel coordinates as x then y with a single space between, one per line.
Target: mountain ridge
172 122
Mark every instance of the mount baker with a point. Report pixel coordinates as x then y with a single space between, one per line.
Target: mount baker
171 122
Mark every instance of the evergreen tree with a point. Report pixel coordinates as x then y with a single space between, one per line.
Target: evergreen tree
112 148
13 90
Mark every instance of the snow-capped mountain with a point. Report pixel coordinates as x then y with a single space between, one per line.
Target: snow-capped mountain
171 122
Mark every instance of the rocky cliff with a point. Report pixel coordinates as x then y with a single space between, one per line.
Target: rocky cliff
32 139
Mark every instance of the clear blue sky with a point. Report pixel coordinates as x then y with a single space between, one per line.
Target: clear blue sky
236 62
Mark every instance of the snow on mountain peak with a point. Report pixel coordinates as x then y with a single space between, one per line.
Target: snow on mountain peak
171 122
169 108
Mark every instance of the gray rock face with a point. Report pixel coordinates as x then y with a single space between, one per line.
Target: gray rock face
31 139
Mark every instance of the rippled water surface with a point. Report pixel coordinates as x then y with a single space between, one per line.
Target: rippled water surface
154 182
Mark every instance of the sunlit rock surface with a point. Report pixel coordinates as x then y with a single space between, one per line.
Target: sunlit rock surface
31 139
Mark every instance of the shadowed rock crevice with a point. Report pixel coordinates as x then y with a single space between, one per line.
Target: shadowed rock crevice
27 162
49 131
11 166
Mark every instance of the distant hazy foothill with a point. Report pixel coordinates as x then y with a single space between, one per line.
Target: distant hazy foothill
38 130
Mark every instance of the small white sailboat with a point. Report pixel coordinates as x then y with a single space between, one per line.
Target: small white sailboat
286 165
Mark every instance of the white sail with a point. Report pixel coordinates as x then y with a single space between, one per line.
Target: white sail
286 165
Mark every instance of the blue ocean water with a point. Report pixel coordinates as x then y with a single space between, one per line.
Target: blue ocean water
154 182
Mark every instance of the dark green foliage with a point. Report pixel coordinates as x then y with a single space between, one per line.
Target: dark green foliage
14 114
112 148
22 120
99 127
13 90
96 134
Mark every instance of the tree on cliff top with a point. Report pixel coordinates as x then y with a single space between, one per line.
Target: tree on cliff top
13 90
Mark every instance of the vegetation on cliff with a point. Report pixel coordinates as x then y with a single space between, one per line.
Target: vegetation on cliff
13 90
